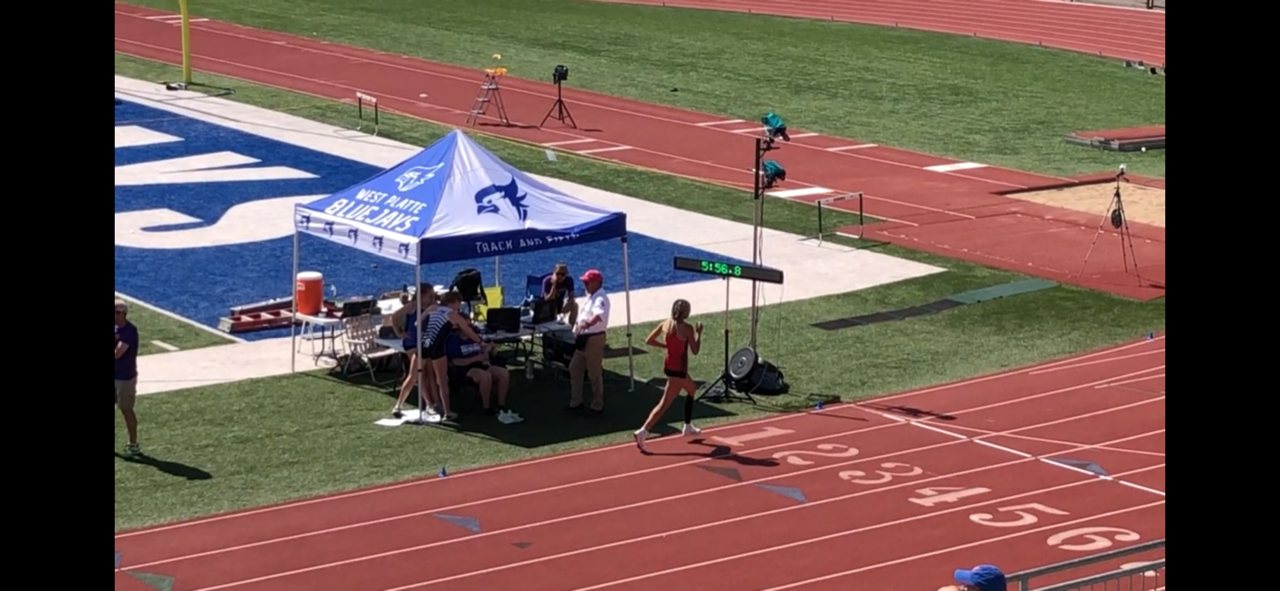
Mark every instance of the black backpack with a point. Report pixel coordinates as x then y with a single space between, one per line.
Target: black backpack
470 285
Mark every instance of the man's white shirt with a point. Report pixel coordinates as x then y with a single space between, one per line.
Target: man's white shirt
597 304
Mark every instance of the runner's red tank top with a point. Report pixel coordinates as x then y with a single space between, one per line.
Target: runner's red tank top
677 351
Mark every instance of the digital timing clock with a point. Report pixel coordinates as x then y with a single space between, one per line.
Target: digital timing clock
728 269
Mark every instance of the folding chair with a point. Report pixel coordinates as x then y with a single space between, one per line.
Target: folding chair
492 299
361 336
533 286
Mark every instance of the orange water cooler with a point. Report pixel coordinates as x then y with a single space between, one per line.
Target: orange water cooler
309 293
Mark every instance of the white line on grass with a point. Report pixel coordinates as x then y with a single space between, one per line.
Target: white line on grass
164 312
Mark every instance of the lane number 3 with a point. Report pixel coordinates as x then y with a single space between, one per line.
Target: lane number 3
859 477
828 450
1024 512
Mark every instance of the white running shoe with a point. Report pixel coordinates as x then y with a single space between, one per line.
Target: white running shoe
640 437
689 430
507 417
435 410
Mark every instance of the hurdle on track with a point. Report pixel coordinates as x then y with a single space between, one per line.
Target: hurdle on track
822 233
367 103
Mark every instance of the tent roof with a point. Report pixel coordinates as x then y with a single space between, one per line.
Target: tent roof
455 200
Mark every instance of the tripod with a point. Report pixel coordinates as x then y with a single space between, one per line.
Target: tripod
560 110
1118 220
722 390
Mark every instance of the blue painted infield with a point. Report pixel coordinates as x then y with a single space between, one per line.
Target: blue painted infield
203 282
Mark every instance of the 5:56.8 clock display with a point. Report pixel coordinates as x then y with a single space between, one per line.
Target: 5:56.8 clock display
721 268
724 268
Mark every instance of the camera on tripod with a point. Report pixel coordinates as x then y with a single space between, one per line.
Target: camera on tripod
559 110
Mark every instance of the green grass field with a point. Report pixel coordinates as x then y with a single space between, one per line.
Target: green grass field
154 326
965 98
225 447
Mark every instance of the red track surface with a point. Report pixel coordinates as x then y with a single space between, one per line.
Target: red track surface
957 213
1110 31
613 518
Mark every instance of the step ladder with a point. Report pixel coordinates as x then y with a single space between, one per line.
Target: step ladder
490 95
253 321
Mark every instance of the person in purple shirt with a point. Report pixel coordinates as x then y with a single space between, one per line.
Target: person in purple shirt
558 287
127 373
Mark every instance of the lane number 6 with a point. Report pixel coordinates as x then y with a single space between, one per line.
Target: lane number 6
1024 513
1096 542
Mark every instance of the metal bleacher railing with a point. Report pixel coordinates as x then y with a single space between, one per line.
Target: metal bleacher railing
1148 576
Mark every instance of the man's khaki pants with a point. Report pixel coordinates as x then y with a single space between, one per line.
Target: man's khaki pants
588 358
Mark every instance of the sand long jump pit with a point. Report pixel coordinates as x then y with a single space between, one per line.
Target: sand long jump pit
1142 204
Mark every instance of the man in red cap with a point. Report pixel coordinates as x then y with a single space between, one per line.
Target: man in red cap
588 346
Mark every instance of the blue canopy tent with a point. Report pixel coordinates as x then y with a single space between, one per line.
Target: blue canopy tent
453 201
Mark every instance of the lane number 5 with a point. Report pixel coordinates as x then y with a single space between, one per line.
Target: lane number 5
1024 513
859 477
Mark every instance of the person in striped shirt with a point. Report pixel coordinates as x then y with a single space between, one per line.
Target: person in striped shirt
437 327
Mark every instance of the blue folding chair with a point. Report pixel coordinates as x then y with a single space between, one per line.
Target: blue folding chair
533 287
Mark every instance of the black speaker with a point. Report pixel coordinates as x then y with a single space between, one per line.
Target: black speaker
753 375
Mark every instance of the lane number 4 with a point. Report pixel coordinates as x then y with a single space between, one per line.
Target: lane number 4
945 494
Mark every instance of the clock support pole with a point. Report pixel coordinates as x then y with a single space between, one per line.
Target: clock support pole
757 235
722 390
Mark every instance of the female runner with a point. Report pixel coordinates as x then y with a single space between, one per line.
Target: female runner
406 324
681 339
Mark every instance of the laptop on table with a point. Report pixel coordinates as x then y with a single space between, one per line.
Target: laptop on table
502 320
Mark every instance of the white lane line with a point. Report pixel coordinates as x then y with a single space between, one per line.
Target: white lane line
600 150
955 166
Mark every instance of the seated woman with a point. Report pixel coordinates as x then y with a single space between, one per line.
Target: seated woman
473 360
558 287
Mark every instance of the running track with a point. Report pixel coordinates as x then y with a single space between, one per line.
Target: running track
934 204
1004 467
1112 31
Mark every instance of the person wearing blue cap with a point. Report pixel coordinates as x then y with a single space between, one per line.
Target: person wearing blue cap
983 577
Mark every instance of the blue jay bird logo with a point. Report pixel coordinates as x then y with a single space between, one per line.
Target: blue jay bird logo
377 243
488 198
354 235
414 177
404 250
304 220
328 228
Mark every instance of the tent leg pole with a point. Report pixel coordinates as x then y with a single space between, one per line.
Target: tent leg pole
417 301
293 324
626 279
